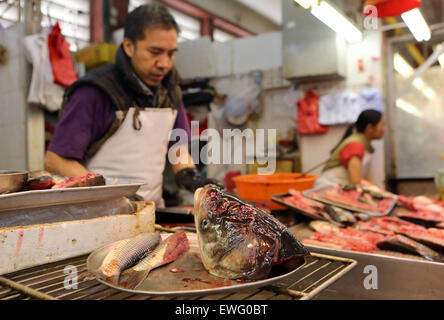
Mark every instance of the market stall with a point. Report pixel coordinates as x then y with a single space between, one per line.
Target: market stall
221 150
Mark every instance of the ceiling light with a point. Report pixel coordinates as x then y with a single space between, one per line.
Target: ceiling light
417 25
306 3
401 65
401 104
337 21
429 93
441 56
418 83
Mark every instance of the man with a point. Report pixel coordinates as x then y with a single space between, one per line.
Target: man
116 120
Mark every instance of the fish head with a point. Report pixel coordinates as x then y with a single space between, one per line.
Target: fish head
238 240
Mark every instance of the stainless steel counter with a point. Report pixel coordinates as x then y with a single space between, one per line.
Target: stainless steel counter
397 278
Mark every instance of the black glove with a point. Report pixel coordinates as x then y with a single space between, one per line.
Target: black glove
190 179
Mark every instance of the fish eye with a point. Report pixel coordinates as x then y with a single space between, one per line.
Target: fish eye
205 224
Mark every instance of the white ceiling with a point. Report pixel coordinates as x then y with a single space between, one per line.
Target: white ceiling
268 8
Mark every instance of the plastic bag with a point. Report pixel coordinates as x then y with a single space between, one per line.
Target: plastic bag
308 115
241 105
60 57
42 90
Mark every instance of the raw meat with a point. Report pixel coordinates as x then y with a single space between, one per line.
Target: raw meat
89 180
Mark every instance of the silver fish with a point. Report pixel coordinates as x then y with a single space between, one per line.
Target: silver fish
166 252
125 253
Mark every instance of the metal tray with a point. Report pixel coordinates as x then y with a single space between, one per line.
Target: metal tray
277 198
193 280
346 206
49 197
12 181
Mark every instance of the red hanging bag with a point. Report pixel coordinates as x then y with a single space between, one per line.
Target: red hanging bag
60 58
308 115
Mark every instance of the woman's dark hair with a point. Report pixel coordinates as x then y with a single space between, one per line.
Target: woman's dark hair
367 117
145 17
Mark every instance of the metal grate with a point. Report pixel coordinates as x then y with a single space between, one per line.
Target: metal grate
47 282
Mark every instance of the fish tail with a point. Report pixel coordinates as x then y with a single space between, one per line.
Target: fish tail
86 276
131 279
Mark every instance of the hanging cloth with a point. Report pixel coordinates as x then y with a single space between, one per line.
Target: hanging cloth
60 57
42 89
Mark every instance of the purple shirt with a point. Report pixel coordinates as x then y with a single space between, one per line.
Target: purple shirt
87 116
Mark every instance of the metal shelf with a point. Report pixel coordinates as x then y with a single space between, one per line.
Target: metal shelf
47 282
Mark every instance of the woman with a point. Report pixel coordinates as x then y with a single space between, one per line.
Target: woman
350 158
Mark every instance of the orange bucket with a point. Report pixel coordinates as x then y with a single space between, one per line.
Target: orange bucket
258 188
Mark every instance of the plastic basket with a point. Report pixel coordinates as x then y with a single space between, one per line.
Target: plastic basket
258 188
97 55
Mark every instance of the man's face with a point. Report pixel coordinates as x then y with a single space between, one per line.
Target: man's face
153 57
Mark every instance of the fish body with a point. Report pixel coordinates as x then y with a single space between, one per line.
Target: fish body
125 253
238 240
324 227
339 215
166 252
40 183
406 245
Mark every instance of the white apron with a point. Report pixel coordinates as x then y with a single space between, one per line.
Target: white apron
339 174
131 156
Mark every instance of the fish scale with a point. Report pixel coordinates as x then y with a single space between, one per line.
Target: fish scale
127 252
229 230
167 251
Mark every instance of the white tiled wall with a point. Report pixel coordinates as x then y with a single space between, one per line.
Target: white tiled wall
13 146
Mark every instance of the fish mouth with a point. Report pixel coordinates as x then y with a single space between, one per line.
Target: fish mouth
199 198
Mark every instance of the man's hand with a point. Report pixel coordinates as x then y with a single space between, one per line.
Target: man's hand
64 166
190 179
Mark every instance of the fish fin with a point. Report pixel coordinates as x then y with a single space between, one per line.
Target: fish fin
132 279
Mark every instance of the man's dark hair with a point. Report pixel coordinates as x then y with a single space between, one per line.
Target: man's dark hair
147 16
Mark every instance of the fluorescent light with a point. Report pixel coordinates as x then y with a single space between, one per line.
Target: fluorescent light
441 60
441 56
429 93
418 83
403 105
337 22
306 3
417 25
401 65
406 70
